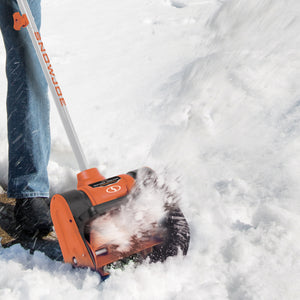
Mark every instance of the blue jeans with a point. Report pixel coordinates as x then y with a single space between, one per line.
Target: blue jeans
27 108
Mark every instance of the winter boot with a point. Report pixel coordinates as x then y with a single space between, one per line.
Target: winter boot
33 216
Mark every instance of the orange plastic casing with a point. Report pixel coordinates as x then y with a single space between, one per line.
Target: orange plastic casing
93 191
20 21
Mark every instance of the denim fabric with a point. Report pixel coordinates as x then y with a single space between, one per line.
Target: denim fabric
27 108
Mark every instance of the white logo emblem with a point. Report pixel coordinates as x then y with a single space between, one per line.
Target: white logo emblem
113 189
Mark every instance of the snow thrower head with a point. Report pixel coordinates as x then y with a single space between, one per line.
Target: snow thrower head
72 213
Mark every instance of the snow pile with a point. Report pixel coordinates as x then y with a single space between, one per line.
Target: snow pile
204 92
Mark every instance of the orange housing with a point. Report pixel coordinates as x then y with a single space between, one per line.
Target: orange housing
72 211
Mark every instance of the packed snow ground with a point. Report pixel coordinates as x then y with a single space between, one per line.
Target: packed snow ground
205 92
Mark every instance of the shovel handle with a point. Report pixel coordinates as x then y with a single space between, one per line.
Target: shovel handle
25 19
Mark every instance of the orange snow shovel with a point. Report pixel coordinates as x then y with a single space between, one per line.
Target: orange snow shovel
73 212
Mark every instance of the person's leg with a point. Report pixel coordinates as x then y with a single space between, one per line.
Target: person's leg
27 108
28 123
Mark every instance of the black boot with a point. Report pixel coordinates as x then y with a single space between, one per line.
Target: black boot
33 215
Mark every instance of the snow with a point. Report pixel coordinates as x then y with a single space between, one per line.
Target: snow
137 218
207 94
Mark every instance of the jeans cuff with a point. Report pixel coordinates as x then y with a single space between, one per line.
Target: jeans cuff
27 195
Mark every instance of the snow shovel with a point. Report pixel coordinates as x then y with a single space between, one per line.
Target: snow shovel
96 197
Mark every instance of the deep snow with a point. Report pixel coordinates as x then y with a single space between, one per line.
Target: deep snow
207 94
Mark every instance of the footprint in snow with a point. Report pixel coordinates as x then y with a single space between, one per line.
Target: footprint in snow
177 4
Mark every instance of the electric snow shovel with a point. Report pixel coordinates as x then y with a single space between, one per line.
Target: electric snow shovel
96 197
